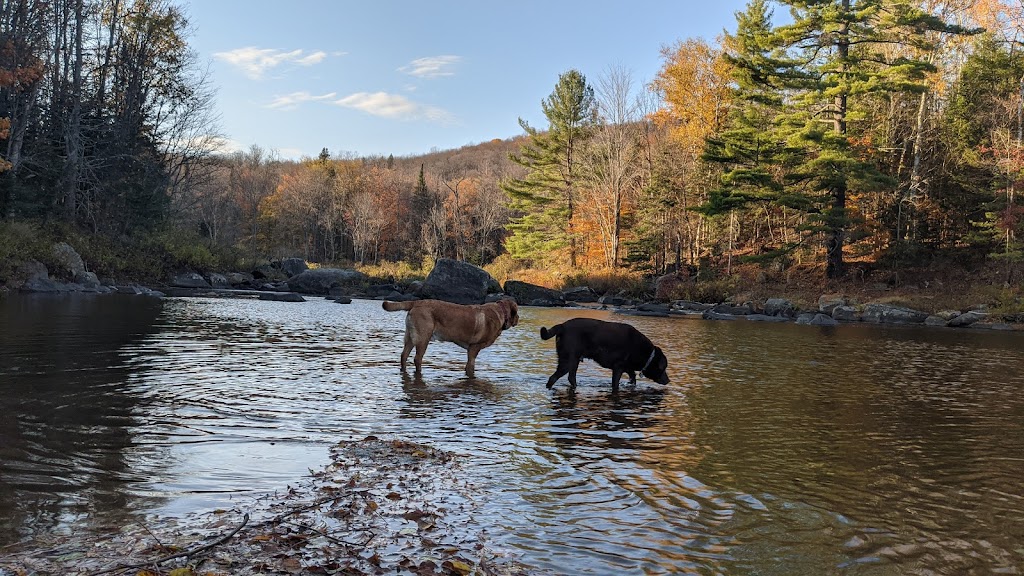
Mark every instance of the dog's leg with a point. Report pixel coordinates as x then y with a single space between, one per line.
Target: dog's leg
561 370
406 349
421 348
573 366
632 377
616 374
472 351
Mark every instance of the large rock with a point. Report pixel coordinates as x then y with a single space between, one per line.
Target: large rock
846 314
816 319
888 314
239 278
282 297
189 280
580 294
321 280
526 294
613 300
829 302
269 273
32 270
458 282
690 306
88 281
779 307
733 309
32 276
218 280
69 263
966 319
293 266
70 266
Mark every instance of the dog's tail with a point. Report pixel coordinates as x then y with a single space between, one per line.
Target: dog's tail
395 306
554 331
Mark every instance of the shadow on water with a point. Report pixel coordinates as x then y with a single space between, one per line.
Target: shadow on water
68 410
776 449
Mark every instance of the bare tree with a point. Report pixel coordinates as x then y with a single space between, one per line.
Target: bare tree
253 179
613 160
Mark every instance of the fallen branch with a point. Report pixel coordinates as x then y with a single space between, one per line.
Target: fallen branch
183 554
292 511
330 537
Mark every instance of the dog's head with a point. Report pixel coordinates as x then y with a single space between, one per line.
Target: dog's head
657 369
509 312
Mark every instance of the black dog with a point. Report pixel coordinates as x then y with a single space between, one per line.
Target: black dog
614 345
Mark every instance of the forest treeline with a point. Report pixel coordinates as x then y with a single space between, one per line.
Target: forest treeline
831 134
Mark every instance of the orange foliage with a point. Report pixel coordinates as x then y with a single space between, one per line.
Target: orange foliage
695 85
1003 18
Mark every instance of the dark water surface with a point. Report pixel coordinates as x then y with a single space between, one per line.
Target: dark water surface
776 449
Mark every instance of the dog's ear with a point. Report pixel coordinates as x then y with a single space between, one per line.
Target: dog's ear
511 312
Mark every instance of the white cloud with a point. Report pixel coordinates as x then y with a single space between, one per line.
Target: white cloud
393 106
431 67
291 101
254 62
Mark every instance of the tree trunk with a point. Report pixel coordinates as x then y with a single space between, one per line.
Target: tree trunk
837 218
73 129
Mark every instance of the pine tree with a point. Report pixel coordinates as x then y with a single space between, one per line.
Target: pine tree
545 198
838 51
747 146
423 203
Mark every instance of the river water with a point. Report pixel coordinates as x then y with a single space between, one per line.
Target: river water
776 448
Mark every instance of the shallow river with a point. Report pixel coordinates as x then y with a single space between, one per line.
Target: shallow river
776 449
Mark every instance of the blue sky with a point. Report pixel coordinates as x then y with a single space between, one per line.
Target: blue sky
379 77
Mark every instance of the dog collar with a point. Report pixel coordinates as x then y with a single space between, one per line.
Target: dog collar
504 323
649 360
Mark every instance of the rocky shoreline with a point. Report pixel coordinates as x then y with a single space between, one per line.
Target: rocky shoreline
291 280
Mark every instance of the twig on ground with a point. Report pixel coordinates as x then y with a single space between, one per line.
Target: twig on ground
182 554
155 537
328 536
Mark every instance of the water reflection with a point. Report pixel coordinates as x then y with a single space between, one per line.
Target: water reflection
67 406
777 449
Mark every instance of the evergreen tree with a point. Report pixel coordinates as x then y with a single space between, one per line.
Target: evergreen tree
423 203
838 50
986 124
747 147
545 198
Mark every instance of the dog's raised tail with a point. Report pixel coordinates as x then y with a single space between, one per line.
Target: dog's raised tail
395 306
554 331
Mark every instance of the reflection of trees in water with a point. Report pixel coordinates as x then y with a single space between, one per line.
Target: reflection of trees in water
869 428
67 410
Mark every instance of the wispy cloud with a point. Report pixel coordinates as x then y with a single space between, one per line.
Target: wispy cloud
254 62
291 101
393 106
431 67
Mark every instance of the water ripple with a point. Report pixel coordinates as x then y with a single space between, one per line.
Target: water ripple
777 449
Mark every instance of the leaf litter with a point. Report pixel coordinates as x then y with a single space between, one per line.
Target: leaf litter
380 507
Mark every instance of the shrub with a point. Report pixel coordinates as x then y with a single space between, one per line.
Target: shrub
21 241
400 272
710 291
621 282
181 249
502 268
